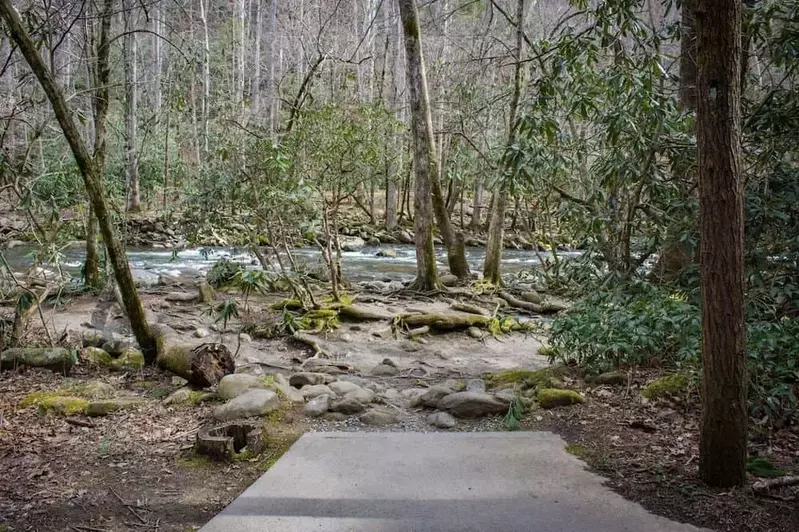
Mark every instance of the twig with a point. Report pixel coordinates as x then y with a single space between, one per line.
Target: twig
127 506
80 423
81 528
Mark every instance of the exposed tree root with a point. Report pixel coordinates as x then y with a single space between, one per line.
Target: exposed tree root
765 485
445 322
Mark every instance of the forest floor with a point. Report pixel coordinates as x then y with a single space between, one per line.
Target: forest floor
136 470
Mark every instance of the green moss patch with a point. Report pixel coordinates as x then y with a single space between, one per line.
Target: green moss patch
553 397
669 386
52 402
526 378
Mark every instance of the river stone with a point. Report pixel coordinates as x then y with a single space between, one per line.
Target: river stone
309 391
506 396
476 385
116 347
441 420
352 243
253 403
347 405
378 417
206 293
387 253
97 356
391 395
475 332
245 338
298 380
97 390
405 237
236 384
131 359
455 385
317 406
432 396
181 297
384 370
343 387
361 395
201 332
472 404
411 394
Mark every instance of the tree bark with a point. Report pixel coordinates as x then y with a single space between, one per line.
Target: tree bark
255 97
496 225
95 186
424 154
722 449
133 196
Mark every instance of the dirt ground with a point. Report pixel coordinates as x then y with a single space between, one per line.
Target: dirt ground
136 470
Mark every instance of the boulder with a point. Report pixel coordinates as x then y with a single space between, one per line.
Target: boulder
298 380
253 403
309 391
379 417
384 370
554 397
347 405
97 356
441 420
431 397
476 385
361 395
206 293
131 359
405 237
448 279
317 406
472 404
352 243
343 387
387 253
236 384
115 348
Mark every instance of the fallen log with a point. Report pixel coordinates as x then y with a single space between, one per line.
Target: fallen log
353 312
57 359
445 322
470 309
765 485
202 365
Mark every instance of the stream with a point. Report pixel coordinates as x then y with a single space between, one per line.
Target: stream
364 265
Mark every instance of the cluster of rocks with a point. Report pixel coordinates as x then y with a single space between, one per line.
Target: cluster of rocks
153 234
111 350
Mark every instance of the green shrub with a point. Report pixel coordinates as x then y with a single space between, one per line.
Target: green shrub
223 273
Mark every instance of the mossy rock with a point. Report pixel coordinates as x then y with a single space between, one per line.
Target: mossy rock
611 378
287 304
109 406
89 389
97 356
131 359
53 402
553 397
188 397
525 378
547 351
668 386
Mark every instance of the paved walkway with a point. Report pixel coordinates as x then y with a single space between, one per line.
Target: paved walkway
436 482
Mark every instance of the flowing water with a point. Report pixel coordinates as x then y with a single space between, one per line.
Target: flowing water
364 265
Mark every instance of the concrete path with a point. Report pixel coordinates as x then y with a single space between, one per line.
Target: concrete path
438 481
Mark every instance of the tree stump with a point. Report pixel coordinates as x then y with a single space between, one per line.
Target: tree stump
202 365
223 442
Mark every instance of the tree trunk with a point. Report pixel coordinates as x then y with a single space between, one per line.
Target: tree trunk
95 186
722 448
496 225
256 76
271 32
477 206
424 154
133 197
206 76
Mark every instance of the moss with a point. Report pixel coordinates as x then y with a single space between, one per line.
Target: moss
52 402
96 356
668 386
553 397
547 351
87 389
196 461
575 449
526 378
108 406
321 314
611 378
131 359
287 304
244 456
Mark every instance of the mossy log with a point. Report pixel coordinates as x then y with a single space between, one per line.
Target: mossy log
58 359
470 309
547 307
445 322
202 365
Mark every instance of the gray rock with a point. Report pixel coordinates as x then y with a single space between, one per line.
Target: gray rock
411 394
378 417
472 404
449 280
334 416
181 297
362 395
441 420
454 384
432 396
347 405
387 252
475 333
506 396
116 347
384 370
245 338
252 403
373 241
236 384
531 297
405 237
391 395
343 387
476 385
352 243
309 391
298 380
107 406
317 406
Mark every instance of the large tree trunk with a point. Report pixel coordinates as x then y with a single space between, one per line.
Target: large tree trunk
133 196
722 449
496 225
423 151
206 77
271 89
95 186
256 76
